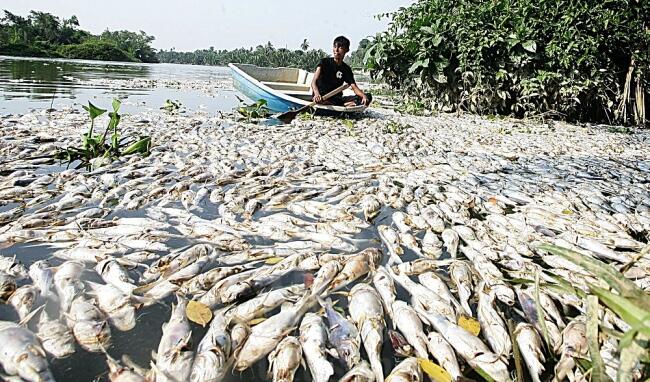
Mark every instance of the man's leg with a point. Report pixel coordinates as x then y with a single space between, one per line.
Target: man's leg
355 100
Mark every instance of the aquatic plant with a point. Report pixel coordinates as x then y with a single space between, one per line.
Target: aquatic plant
171 106
95 150
255 110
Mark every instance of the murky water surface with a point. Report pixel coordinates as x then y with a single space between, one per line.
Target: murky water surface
27 84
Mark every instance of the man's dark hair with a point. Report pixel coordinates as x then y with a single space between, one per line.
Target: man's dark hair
342 41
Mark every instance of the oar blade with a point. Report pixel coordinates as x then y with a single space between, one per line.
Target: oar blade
288 116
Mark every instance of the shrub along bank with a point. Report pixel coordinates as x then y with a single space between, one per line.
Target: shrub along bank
579 60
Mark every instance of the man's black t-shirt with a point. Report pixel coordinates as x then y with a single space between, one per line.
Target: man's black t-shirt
332 76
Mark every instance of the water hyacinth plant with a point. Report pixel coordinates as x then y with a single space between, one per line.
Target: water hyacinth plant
254 110
95 149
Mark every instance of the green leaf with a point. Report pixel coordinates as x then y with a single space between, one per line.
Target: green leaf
606 272
530 46
419 64
541 317
93 110
116 105
626 309
142 146
115 120
598 366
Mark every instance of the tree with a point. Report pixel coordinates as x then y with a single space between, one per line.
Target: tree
305 45
45 25
136 44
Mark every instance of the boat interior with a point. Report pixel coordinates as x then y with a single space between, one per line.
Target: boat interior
291 81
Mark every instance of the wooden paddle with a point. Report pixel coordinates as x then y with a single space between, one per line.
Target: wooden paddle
288 116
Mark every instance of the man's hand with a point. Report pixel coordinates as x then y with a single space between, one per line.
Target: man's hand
364 100
317 98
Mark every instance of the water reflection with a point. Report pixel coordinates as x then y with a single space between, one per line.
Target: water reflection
30 83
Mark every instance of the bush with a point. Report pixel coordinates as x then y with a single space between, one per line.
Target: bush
22 50
95 50
583 60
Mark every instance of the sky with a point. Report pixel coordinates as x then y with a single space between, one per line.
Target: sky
188 25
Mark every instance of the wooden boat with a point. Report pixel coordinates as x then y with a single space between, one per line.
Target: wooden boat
283 89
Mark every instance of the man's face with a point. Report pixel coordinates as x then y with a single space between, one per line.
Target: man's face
339 51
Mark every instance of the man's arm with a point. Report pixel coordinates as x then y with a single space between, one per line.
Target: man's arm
314 87
360 93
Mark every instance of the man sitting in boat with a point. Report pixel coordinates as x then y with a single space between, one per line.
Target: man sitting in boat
332 72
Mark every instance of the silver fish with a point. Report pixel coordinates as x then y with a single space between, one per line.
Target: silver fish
175 356
444 354
530 344
343 335
407 321
313 338
265 336
57 339
285 359
406 371
367 312
22 354
213 354
89 326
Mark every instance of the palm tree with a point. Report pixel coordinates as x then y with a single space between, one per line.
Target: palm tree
305 45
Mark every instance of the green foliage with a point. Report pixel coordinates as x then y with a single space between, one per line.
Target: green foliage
263 55
137 45
95 150
630 303
42 34
95 50
19 49
356 58
171 106
394 127
349 127
308 115
519 57
254 110
412 106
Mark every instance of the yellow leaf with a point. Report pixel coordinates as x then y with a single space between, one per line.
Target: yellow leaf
256 321
435 372
198 312
567 212
273 260
470 324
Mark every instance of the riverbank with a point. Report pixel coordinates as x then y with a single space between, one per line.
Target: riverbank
212 179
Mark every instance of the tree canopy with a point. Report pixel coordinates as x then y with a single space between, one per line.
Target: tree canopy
43 34
262 55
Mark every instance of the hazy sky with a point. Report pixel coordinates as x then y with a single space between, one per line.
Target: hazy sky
224 24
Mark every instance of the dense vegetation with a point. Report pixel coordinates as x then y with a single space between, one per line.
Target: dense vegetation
262 55
41 34
581 60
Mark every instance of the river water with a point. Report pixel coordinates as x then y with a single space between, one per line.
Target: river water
28 83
